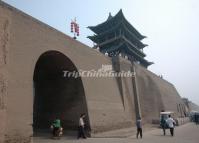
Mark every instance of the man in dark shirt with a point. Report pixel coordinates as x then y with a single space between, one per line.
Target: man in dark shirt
139 127
163 125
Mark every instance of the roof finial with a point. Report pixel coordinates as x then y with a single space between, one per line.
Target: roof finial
110 16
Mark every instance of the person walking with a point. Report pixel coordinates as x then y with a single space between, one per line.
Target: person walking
196 118
139 127
81 130
163 125
171 123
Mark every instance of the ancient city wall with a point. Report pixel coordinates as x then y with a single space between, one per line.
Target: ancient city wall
4 50
29 39
109 101
157 94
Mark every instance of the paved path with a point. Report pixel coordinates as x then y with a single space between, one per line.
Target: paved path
188 133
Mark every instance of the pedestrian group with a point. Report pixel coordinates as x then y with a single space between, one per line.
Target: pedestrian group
57 129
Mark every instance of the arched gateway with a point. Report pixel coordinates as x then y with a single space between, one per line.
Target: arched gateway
56 96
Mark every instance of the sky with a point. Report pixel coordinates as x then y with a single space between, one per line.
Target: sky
171 27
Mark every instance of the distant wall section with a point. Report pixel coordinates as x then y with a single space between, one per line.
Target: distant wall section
156 95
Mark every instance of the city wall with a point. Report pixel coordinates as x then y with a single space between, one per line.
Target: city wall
109 101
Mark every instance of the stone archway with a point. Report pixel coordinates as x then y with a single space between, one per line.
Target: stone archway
56 96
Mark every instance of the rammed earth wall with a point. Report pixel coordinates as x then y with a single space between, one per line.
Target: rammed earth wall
109 101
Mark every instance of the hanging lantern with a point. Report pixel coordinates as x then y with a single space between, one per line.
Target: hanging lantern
72 26
77 30
75 27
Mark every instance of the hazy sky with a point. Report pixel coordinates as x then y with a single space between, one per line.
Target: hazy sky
172 28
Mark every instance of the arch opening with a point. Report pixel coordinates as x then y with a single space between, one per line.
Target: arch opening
56 96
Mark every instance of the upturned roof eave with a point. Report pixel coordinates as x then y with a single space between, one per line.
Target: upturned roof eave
97 29
127 41
96 38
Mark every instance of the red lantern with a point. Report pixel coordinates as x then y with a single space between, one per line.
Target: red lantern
72 26
77 30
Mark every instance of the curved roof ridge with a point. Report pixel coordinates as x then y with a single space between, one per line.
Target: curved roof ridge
111 18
